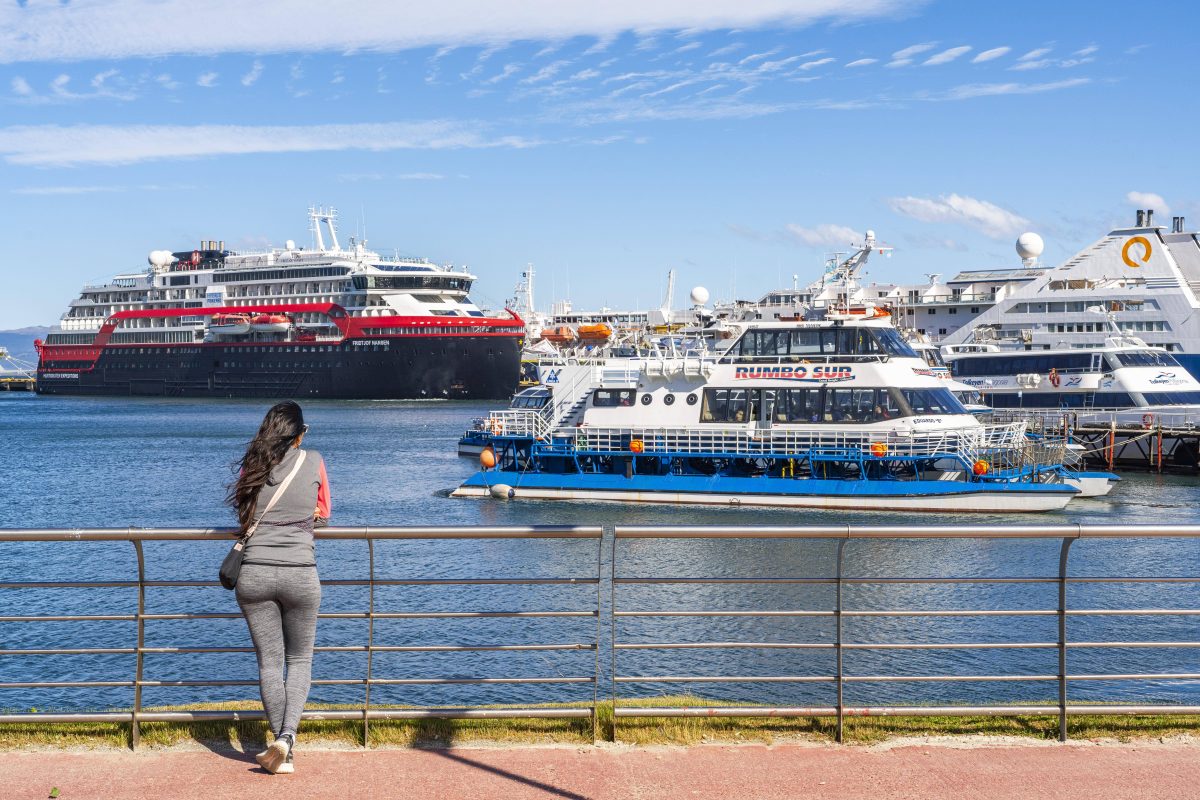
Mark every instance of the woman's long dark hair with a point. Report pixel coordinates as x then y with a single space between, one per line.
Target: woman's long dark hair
279 429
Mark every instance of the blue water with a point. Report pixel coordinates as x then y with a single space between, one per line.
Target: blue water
115 462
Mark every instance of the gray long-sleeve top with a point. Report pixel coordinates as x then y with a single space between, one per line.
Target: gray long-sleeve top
284 537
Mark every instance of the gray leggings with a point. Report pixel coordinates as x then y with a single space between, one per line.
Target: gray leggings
280 604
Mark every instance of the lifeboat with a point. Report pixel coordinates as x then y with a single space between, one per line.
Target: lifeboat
560 334
270 323
595 333
229 324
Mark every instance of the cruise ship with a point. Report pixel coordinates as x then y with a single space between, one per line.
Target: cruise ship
1146 276
326 321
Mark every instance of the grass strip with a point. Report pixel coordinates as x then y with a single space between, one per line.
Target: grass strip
251 735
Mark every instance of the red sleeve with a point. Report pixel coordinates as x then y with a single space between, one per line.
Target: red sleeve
324 501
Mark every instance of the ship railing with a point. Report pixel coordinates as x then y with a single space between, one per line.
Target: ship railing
967 444
1065 421
519 423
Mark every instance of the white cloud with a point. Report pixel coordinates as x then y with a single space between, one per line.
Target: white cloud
251 77
946 56
546 73
913 50
1149 200
166 81
207 80
862 62
1086 51
991 55
21 87
898 62
421 176
989 219
1024 66
1033 55
57 145
726 50
970 90
820 62
824 235
689 46
504 74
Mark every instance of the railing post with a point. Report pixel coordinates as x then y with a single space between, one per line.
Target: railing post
1062 636
838 640
596 667
370 638
612 632
135 725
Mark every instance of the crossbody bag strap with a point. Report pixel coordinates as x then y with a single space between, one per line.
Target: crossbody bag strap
275 498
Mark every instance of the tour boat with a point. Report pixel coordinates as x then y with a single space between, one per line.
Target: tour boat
836 413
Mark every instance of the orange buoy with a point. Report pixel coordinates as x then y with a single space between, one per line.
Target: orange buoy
637 446
981 467
487 458
878 449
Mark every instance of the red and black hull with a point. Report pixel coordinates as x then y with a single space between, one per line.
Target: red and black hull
398 359
453 367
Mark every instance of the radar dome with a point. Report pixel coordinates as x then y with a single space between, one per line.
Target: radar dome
290 245
1030 246
160 258
699 295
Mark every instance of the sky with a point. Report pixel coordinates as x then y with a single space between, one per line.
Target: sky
604 143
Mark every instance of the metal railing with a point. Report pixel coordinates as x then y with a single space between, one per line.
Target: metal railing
138 648
626 572
844 650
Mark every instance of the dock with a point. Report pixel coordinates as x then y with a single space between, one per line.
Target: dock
1133 439
16 375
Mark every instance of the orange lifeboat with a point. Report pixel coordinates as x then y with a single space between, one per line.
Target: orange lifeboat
595 333
560 334
270 323
229 324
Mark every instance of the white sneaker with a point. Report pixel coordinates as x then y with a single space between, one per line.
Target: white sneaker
287 767
275 756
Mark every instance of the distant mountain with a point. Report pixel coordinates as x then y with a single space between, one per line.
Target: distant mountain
19 342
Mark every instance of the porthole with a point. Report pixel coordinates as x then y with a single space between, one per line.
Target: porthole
669 399
691 399
647 399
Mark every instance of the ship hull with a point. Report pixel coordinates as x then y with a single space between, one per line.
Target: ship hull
943 496
477 367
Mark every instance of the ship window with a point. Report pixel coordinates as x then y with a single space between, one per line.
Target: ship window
932 401
1146 358
1171 398
610 398
725 405
795 406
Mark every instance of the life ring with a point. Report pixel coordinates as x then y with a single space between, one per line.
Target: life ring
1147 421
1054 379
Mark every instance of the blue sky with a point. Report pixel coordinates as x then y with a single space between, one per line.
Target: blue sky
604 143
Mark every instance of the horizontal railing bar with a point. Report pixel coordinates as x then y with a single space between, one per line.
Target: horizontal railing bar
909 532
1137 676
723 613
722 645
237 716
947 645
227 534
371 681
901 711
80 618
63 684
946 678
1133 644
724 679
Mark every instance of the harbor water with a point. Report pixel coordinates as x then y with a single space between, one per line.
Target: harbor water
115 462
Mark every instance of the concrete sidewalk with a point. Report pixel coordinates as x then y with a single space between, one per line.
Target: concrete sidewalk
729 772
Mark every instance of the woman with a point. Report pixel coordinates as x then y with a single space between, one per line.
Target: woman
278 589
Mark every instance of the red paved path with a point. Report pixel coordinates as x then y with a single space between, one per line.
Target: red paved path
1077 772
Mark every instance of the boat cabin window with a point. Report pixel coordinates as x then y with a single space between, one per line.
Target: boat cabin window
1022 364
611 398
932 401
838 406
1172 398
795 344
1144 358
531 398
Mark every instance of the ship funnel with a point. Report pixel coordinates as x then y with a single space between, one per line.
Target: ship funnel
1149 217
221 245
1141 218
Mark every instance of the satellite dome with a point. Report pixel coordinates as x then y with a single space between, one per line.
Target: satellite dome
290 245
1029 246
160 258
699 295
